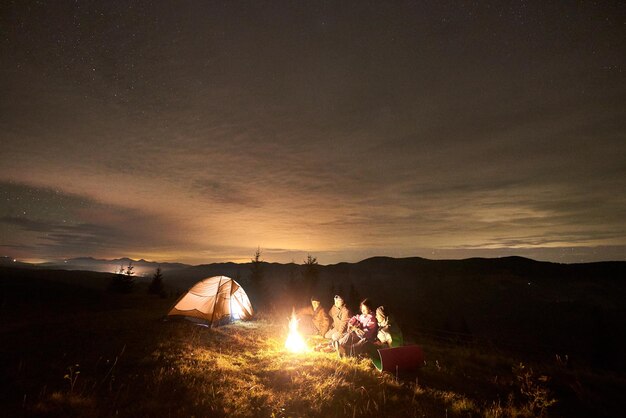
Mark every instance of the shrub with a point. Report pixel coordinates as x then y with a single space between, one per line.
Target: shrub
124 280
534 389
156 286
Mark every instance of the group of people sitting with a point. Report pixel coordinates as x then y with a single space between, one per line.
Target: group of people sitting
347 335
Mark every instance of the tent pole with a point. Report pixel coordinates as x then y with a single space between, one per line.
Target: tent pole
219 284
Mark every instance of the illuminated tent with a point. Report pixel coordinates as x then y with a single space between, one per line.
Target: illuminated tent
214 301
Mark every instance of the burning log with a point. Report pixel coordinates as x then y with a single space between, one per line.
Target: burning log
295 343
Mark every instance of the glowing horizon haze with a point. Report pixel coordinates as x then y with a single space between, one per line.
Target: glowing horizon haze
198 132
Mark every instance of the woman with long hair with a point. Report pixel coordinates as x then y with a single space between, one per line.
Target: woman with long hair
362 329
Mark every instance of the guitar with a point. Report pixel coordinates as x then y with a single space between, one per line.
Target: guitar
358 331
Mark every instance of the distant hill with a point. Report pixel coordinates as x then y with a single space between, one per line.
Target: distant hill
511 302
11 262
141 267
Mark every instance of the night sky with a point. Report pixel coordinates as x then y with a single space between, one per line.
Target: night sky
196 131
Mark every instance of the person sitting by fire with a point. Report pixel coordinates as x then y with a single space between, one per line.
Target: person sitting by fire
362 331
313 319
340 315
389 334
384 337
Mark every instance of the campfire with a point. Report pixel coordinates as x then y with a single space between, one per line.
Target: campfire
295 343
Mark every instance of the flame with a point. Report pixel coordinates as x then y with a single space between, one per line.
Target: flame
295 343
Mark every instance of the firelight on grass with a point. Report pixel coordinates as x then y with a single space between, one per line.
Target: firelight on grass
295 343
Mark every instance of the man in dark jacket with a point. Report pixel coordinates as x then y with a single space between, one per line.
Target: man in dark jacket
313 318
340 315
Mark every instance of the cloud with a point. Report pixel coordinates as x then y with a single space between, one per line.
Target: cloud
58 224
223 133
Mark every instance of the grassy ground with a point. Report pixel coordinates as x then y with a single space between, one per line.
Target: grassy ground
87 353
